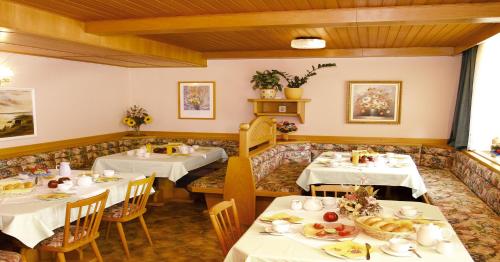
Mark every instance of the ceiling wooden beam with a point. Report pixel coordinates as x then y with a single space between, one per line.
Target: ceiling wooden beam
358 52
340 17
478 37
28 26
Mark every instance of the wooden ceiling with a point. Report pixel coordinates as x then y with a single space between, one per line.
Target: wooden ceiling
264 28
91 10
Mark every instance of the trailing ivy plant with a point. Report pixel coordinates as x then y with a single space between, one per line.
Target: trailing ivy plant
266 80
296 81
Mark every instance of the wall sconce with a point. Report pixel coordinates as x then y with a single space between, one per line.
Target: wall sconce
6 75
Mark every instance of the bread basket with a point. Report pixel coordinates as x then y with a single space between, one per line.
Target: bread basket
379 233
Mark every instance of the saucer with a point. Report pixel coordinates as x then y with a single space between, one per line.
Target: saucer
270 230
400 215
389 251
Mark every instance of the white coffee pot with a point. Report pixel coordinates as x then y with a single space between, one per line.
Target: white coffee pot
64 169
428 235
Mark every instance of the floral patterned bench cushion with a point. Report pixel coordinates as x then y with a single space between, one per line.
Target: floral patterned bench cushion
437 157
477 225
267 161
283 179
9 256
213 180
481 180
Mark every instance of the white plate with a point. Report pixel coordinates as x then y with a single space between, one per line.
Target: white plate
400 215
386 249
269 229
66 192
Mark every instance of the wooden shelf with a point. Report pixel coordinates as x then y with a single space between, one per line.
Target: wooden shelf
270 107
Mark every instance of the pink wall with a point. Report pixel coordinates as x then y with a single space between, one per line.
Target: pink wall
429 90
73 99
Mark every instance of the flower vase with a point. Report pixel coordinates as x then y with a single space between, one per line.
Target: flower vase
137 131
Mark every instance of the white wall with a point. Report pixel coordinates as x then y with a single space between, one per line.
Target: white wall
73 99
429 91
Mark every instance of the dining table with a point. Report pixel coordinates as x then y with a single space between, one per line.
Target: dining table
173 166
389 170
31 219
168 168
258 245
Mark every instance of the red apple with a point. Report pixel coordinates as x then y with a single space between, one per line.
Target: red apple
330 217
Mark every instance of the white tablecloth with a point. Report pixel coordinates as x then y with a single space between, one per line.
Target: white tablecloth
346 173
253 246
172 167
32 220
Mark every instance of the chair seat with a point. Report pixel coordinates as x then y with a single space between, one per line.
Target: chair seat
283 179
116 211
56 240
9 256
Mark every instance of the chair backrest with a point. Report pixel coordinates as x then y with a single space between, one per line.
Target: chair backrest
86 226
224 217
334 189
137 196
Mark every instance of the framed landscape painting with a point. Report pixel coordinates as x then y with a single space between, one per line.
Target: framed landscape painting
197 100
374 102
17 113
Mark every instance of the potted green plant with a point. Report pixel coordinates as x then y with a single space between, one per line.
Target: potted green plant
293 90
267 82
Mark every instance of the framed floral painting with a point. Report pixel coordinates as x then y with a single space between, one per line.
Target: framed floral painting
17 113
197 100
374 102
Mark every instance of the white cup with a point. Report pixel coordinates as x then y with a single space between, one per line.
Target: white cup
108 173
445 247
399 245
337 156
68 182
408 211
296 204
63 187
84 181
281 226
329 202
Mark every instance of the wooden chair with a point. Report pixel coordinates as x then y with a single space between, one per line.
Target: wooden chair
224 217
84 231
335 189
133 207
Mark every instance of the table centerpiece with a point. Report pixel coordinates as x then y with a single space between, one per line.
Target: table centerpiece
286 128
135 117
361 202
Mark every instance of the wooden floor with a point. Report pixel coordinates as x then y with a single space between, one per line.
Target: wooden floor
180 232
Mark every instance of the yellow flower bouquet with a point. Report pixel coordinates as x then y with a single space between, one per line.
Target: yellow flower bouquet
135 117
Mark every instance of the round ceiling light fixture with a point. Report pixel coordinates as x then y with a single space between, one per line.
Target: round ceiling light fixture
308 43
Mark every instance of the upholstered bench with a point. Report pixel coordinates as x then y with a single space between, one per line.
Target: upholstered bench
476 224
279 182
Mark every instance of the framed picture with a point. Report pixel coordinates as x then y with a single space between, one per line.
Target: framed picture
197 100
377 102
17 113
